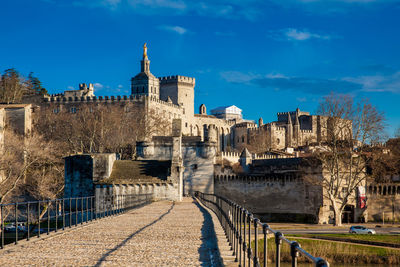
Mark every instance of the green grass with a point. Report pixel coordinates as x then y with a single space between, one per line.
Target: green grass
390 239
335 252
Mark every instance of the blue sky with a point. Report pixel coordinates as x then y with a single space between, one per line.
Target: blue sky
265 56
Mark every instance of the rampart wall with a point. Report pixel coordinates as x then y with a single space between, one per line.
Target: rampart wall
383 201
107 195
273 197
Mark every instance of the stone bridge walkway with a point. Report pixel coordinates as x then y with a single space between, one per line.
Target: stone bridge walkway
160 234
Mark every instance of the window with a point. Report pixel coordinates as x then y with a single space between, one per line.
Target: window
242 139
186 125
56 110
73 110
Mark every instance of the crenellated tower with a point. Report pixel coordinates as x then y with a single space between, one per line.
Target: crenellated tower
145 83
289 131
296 129
180 89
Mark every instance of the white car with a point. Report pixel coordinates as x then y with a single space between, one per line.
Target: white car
361 230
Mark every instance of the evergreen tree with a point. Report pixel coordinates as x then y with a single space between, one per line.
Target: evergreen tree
35 85
12 87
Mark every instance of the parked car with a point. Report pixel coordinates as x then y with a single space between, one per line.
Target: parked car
361 230
10 228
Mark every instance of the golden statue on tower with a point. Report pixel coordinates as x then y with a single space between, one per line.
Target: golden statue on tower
145 50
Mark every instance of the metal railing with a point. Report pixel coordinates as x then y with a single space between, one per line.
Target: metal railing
24 220
238 224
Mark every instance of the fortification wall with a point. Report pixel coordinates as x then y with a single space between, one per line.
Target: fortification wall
111 195
272 196
383 201
231 156
198 160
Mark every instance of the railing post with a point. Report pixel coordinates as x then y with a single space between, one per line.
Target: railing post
63 212
265 232
278 242
48 216
2 226
255 259
293 252
56 214
76 211
240 235
27 220
249 236
87 209
244 237
16 223
70 212
91 208
38 218
236 232
82 198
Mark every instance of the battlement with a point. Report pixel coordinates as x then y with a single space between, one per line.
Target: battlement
158 101
281 179
105 99
267 156
293 113
306 131
248 125
230 154
176 79
84 86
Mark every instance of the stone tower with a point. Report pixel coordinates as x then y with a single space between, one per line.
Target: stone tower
245 159
296 129
180 89
145 83
289 131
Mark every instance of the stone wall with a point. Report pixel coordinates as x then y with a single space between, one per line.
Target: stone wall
272 197
197 157
383 201
118 194
83 171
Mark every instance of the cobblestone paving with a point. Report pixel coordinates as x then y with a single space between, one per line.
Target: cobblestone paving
160 234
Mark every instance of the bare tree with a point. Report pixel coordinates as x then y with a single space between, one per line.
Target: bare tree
30 166
100 127
259 141
349 129
397 133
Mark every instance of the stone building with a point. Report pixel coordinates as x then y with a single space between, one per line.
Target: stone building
172 97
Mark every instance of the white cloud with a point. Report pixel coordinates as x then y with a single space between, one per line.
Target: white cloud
154 4
120 86
301 99
98 86
70 87
231 9
176 29
292 34
238 77
378 83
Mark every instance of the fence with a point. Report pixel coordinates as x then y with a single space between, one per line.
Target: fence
24 220
238 223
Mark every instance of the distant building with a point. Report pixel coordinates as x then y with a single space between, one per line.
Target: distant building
228 113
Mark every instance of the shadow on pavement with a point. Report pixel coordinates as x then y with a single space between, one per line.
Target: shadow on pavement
208 251
104 257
